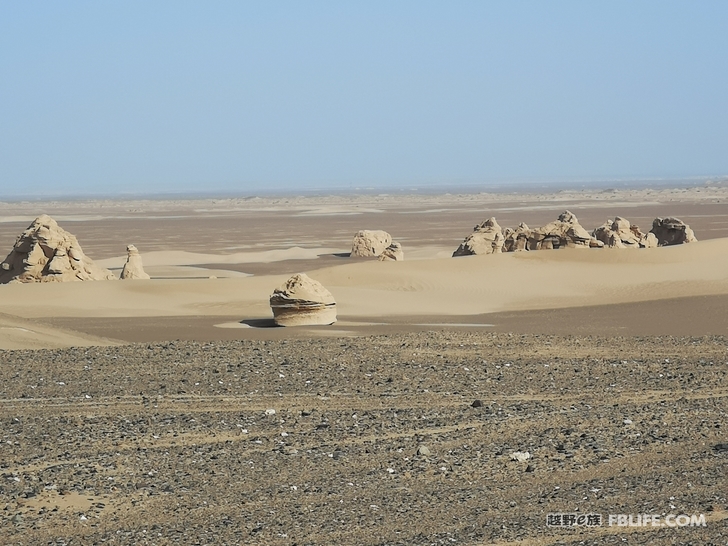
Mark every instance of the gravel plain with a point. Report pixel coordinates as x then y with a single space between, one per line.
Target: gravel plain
388 439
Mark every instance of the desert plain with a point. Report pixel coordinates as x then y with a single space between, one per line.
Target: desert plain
172 411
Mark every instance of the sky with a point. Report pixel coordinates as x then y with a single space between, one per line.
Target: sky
241 97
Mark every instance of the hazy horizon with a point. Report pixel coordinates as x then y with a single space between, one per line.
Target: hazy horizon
237 99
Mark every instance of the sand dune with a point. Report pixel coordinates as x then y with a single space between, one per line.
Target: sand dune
450 286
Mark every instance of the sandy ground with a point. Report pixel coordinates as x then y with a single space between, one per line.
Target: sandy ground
134 412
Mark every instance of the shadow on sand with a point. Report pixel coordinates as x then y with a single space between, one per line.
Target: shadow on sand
260 323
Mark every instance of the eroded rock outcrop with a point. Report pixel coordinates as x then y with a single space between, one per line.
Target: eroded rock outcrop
563 232
486 238
133 268
368 243
302 301
516 240
620 233
672 231
45 252
392 253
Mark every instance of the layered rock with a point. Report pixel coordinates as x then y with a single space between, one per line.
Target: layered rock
516 240
45 252
302 301
392 253
486 238
563 232
368 243
620 233
133 268
672 231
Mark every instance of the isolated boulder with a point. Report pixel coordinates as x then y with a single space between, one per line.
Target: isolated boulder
672 231
392 253
486 238
620 233
369 243
563 232
133 268
516 240
302 301
45 252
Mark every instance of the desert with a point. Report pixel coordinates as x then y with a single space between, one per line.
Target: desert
174 410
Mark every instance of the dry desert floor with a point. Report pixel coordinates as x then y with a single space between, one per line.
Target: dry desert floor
170 411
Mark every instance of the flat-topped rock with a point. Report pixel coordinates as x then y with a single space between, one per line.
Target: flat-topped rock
45 252
368 243
672 231
133 268
621 233
486 238
302 301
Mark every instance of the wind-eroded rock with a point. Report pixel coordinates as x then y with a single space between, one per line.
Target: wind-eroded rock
620 233
302 301
672 231
45 252
486 238
368 243
516 240
133 268
564 232
392 253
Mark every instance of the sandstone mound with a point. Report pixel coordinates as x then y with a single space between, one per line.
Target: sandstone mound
47 253
620 233
516 240
672 231
369 243
564 232
302 301
487 238
392 253
133 268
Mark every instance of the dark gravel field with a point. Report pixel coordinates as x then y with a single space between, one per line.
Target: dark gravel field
393 439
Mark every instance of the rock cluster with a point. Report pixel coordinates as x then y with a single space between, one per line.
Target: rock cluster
516 240
486 238
672 231
133 268
620 233
368 243
47 253
302 301
563 232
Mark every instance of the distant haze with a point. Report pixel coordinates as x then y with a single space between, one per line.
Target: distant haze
240 97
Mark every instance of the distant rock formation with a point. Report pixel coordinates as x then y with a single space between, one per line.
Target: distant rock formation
620 233
47 253
368 243
672 231
392 253
561 233
133 268
486 238
516 240
302 301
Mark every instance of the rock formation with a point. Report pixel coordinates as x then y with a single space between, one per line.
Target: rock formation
46 253
133 268
486 238
672 231
620 233
369 243
302 301
564 232
392 253
516 240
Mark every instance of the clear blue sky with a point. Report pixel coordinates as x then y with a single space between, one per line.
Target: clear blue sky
158 96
